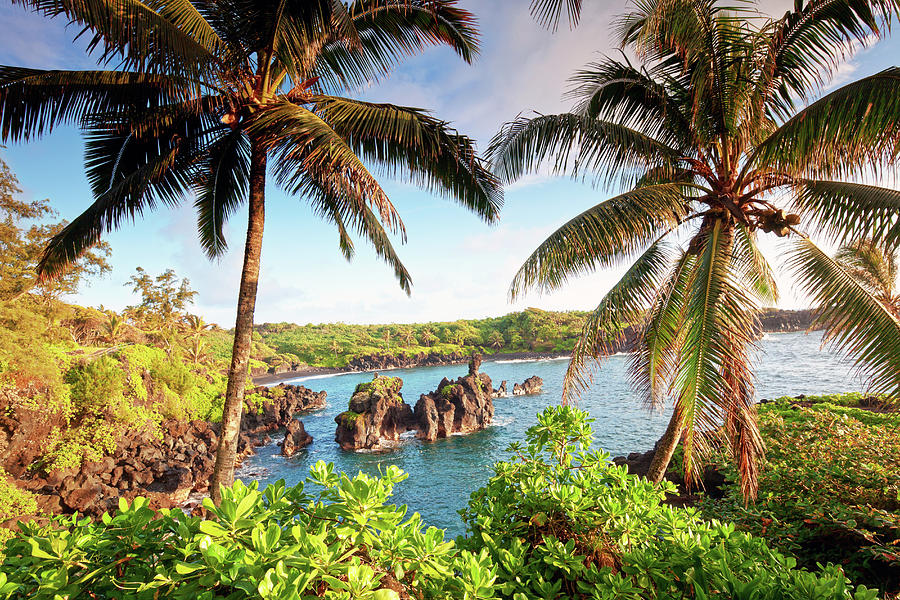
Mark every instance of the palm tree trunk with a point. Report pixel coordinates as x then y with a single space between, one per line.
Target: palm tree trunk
665 448
223 474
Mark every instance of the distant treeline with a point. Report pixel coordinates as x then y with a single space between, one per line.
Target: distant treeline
531 330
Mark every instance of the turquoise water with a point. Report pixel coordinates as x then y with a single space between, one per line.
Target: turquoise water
445 472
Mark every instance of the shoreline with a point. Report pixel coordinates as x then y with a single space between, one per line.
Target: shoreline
268 379
273 378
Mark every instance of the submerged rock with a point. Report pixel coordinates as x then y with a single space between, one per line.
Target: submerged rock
532 385
377 414
463 406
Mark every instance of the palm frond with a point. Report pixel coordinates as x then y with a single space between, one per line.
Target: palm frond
302 141
157 36
602 236
873 265
223 182
855 320
652 364
549 12
610 90
806 46
33 101
409 143
577 143
384 33
717 319
846 212
625 303
337 205
751 266
853 128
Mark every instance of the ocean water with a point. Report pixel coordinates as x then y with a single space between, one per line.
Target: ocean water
444 473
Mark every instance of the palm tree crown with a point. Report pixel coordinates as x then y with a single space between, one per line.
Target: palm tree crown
208 96
707 140
875 267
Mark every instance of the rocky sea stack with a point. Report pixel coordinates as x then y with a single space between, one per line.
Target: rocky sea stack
377 415
532 385
463 406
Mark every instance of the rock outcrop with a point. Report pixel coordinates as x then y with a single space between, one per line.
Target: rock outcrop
165 465
532 385
376 417
295 438
280 404
501 392
381 362
462 406
777 320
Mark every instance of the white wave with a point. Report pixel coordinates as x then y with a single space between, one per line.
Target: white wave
530 360
312 377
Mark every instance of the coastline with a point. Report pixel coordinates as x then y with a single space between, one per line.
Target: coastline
268 379
276 378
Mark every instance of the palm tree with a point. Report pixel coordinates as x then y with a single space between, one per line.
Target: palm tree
707 141
875 267
209 96
113 327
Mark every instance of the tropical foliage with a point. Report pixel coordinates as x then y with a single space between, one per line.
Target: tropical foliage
334 344
829 486
711 143
209 96
557 521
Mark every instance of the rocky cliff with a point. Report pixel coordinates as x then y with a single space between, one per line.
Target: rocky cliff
462 406
376 416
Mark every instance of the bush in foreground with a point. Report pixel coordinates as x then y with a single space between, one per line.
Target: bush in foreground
556 521
829 487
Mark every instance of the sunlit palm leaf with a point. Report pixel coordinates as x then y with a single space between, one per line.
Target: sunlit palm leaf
717 319
303 141
872 265
549 12
221 188
854 319
806 46
613 91
846 212
751 266
602 236
624 304
853 128
409 143
385 33
575 144
158 36
33 101
653 362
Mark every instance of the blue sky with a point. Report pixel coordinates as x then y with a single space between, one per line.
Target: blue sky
461 268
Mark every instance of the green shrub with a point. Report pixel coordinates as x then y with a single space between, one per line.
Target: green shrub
14 503
283 543
829 487
561 521
95 385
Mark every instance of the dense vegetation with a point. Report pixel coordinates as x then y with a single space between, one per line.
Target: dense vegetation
556 521
334 344
829 485
531 330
